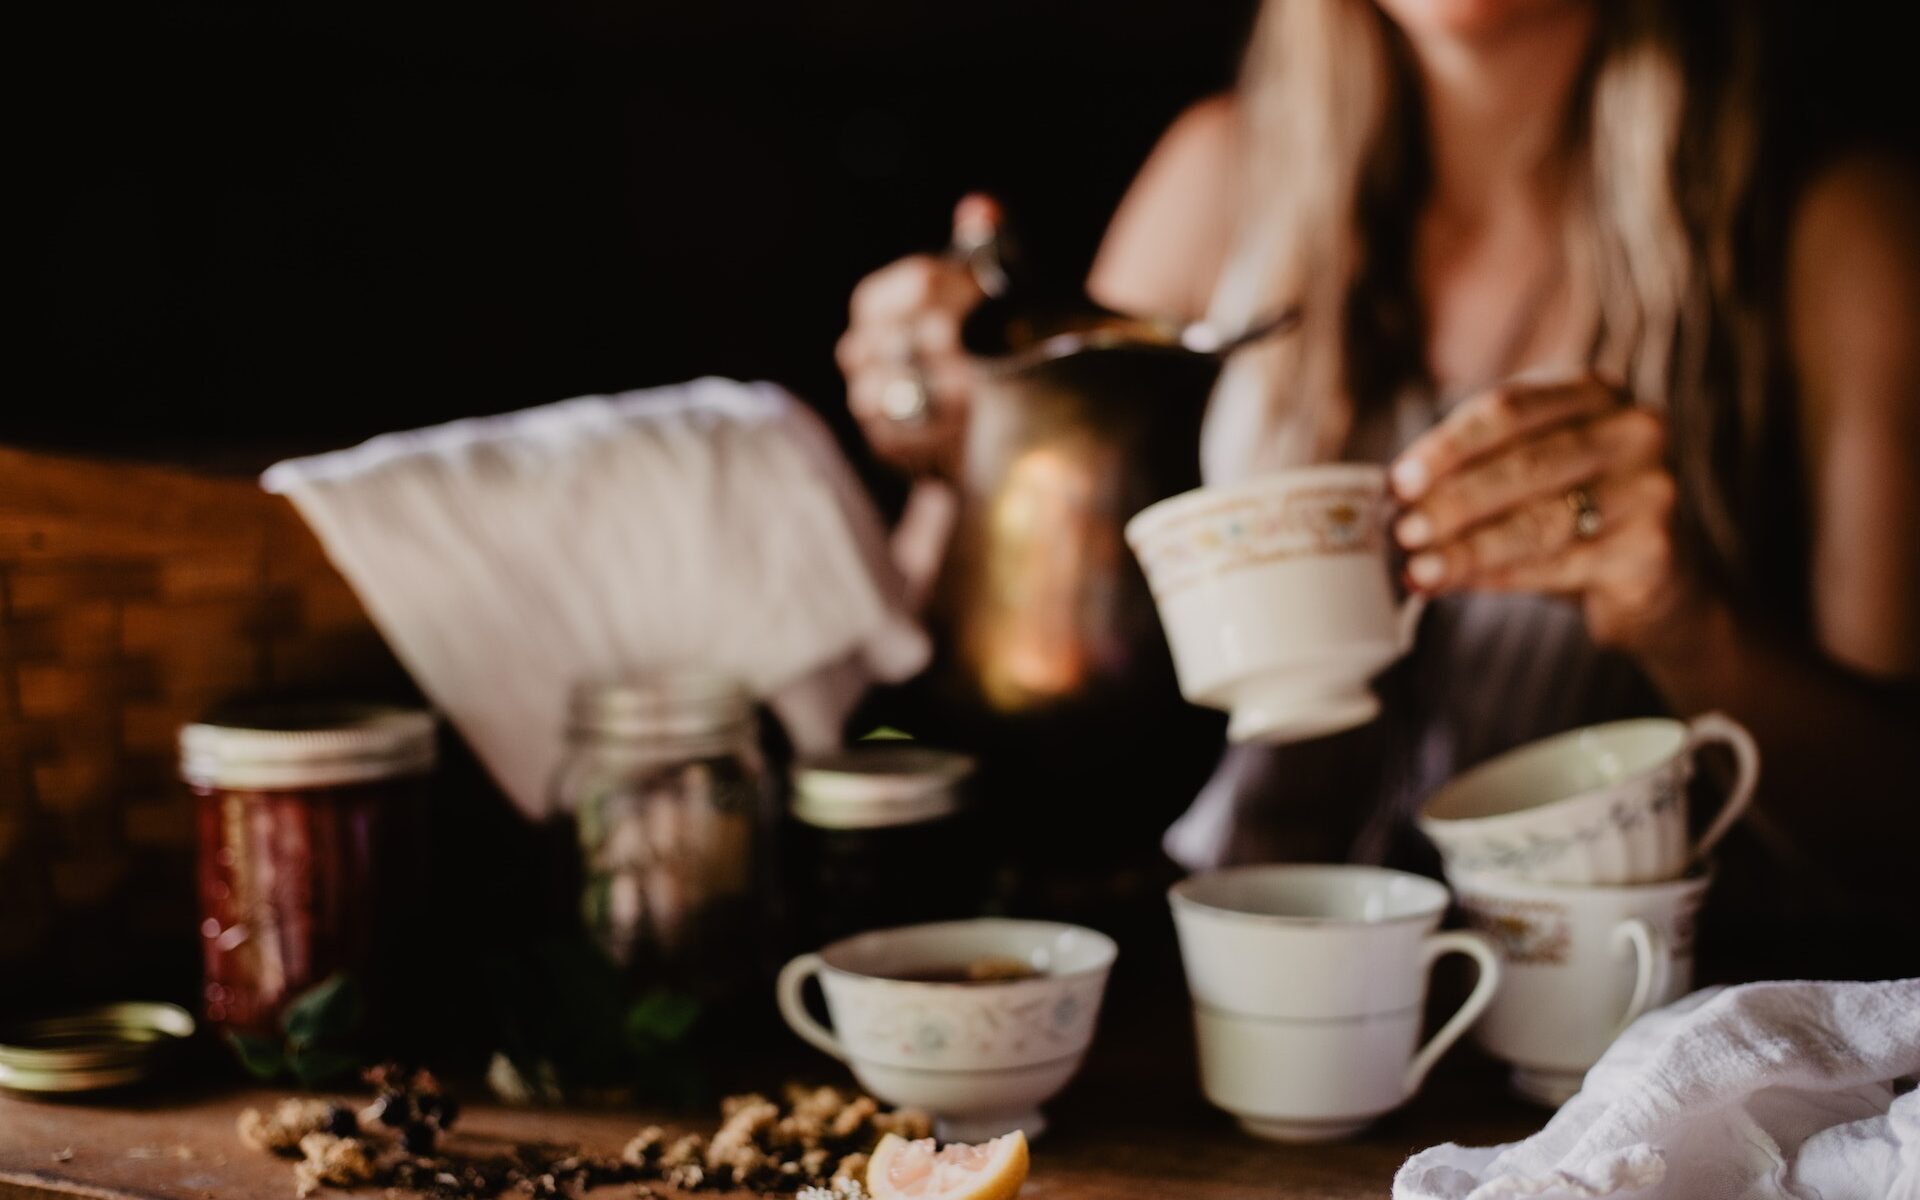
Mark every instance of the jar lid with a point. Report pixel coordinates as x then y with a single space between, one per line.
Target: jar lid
672 703
273 747
90 1048
871 786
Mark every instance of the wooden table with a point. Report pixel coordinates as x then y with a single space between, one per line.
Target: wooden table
1132 1127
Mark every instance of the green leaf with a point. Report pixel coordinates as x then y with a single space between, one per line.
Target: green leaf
886 733
327 1012
661 1016
259 1056
315 1065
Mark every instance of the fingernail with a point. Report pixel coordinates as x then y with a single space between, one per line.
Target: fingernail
1409 477
1414 530
1426 570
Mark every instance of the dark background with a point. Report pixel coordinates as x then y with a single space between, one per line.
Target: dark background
292 224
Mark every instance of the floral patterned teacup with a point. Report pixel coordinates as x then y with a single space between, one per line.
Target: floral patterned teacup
1579 965
1276 597
981 1056
1602 805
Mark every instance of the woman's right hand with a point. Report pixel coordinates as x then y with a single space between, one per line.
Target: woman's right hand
908 380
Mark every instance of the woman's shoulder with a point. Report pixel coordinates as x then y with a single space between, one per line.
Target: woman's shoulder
1171 234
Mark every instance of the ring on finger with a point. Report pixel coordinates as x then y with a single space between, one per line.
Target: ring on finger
906 399
1587 518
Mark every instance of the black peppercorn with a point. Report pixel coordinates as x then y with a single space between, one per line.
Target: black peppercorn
393 1109
341 1122
417 1138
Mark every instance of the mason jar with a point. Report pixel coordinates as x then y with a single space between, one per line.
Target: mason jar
664 778
311 823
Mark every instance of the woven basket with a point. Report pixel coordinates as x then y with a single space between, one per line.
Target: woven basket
133 599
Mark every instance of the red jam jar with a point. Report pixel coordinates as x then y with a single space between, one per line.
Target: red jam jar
311 823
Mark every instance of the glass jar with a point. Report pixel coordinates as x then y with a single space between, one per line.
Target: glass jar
311 829
664 778
880 835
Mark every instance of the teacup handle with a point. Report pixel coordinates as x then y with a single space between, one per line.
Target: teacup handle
1438 945
793 1005
1714 728
1411 610
1651 967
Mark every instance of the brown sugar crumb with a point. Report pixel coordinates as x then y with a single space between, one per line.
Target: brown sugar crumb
685 1151
333 1162
280 1131
852 1168
644 1147
910 1123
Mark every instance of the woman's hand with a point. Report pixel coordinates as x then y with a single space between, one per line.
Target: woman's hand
908 380
1552 487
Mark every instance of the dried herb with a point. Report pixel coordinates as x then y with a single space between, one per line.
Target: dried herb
817 1139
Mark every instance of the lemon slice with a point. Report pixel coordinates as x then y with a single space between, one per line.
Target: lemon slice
904 1170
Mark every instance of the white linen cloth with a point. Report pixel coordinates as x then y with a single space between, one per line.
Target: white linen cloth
713 524
1768 1091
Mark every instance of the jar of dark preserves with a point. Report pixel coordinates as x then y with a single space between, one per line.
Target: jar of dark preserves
311 829
879 835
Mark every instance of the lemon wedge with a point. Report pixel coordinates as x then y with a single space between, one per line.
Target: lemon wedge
904 1170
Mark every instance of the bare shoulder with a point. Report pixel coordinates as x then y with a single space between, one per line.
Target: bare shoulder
1171 233
1853 268
1208 132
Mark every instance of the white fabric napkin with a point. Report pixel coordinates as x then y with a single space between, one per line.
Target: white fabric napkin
1768 1091
713 524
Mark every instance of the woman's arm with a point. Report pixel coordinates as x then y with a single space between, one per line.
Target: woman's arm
1854 325
1170 236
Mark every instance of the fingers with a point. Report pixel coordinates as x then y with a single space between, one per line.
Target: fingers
1532 468
1490 421
917 283
976 219
1536 544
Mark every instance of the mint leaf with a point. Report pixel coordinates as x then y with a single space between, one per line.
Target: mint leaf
661 1016
329 1011
259 1056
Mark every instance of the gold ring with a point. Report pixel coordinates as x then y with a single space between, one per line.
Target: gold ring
1586 514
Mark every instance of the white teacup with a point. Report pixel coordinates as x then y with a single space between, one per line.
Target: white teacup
982 1057
1579 965
1602 805
1309 984
1276 597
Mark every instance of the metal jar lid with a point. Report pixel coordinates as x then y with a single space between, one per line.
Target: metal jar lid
658 705
275 747
878 785
89 1049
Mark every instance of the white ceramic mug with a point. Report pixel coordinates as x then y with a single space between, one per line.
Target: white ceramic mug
1276 597
982 1057
1309 984
1579 965
1602 805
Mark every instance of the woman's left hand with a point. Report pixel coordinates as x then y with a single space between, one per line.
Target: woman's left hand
1555 487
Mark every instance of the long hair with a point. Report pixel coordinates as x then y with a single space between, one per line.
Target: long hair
1662 149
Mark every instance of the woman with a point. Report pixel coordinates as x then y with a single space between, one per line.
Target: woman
1652 409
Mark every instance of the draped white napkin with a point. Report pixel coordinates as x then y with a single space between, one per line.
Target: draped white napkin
1768 1091
712 524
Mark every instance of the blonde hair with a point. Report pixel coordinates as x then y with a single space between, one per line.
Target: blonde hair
1661 153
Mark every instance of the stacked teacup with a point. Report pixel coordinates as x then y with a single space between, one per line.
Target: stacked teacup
1574 855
